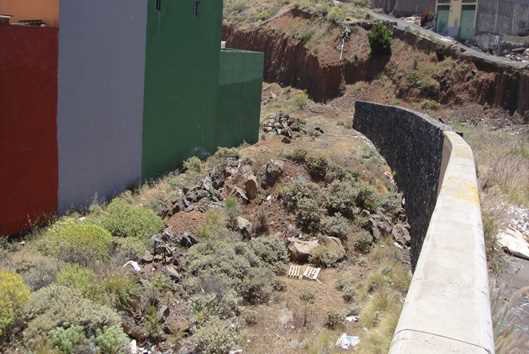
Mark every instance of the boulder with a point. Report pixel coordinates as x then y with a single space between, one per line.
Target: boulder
250 186
273 170
300 251
244 227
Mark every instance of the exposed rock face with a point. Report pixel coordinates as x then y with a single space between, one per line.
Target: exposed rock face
289 62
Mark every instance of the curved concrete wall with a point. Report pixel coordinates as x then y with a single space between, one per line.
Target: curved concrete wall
447 309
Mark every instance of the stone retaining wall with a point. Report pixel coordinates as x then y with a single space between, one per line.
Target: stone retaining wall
447 309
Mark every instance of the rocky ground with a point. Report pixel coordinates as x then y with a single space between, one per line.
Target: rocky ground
203 259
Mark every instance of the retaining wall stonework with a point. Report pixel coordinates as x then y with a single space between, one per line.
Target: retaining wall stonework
447 309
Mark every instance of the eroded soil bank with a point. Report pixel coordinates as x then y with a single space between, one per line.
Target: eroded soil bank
303 50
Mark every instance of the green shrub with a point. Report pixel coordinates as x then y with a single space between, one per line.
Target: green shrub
308 215
291 194
67 339
216 337
123 219
131 248
317 166
363 241
210 305
347 287
215 226
380 38
78 242
223 265
55 305
80 278
300 100
348 197
111 340
14 293
298 155
334 320
193 164
37 270
272 251
120 290
231 209
336 226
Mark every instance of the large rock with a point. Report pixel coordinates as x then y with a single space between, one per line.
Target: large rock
244 227
250 186
273 170
300 251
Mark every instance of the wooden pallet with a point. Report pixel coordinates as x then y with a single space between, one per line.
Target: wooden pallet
300 272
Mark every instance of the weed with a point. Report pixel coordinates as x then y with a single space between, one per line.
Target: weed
123 219
317 166
300 100
336 226
216 337
193 164
380 38
67 339
80 278
307 298
14 293
78 242
232 211
111 340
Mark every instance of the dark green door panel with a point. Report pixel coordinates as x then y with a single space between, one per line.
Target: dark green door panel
181 82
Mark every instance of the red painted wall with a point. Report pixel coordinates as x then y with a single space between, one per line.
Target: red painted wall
28 128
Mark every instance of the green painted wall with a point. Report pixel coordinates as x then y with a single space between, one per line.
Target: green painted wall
181 83
240 80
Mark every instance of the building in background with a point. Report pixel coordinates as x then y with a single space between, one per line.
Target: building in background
472 19
23 10
122 93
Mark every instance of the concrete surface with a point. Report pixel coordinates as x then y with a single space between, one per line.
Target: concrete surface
447 309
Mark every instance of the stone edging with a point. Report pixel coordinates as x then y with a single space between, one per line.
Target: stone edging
447 309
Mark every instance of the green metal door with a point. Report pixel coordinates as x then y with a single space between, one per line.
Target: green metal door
181 79
468 19
443 11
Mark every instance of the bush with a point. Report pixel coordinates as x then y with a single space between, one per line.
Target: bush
120 290
210 305
334 320
272 251
300 100
363 241
219 266
14 293
216 337
123 219
111 340
336 226
37 270
67 339
55 305
214 226
80 278
130 248
308 215
193 164
349 197
78 242
231 209
291 194
347 287
317 166
380 38
297 155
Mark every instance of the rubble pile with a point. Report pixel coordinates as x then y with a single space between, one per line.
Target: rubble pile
519 54
289 127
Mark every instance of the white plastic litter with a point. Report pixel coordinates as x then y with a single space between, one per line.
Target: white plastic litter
347 342
135 266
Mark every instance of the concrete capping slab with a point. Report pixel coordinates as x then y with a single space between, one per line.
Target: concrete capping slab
447 308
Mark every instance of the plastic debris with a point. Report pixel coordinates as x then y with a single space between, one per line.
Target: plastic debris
347 342
135 266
